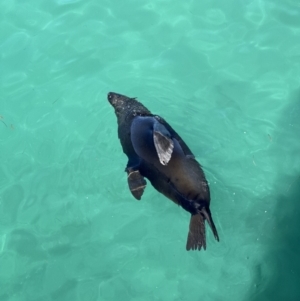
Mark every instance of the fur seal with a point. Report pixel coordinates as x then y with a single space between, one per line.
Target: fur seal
156 152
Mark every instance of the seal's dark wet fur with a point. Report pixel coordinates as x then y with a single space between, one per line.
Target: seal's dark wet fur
156 152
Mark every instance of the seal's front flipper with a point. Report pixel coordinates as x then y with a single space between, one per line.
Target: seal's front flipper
163 142
136 183
196 236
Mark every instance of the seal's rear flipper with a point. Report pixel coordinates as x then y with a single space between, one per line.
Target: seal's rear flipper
208 217
136 183
163 143
196 236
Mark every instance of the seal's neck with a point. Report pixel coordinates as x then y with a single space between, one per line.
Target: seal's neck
129 110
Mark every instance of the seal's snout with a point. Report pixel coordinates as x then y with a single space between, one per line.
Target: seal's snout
114 98
110 97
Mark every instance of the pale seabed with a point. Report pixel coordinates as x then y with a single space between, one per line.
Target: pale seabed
224 75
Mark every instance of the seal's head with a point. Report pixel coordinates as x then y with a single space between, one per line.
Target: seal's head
126 107
117 100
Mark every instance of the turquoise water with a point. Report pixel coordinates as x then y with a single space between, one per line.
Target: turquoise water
226 76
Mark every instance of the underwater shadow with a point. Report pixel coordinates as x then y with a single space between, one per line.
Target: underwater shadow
277 277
